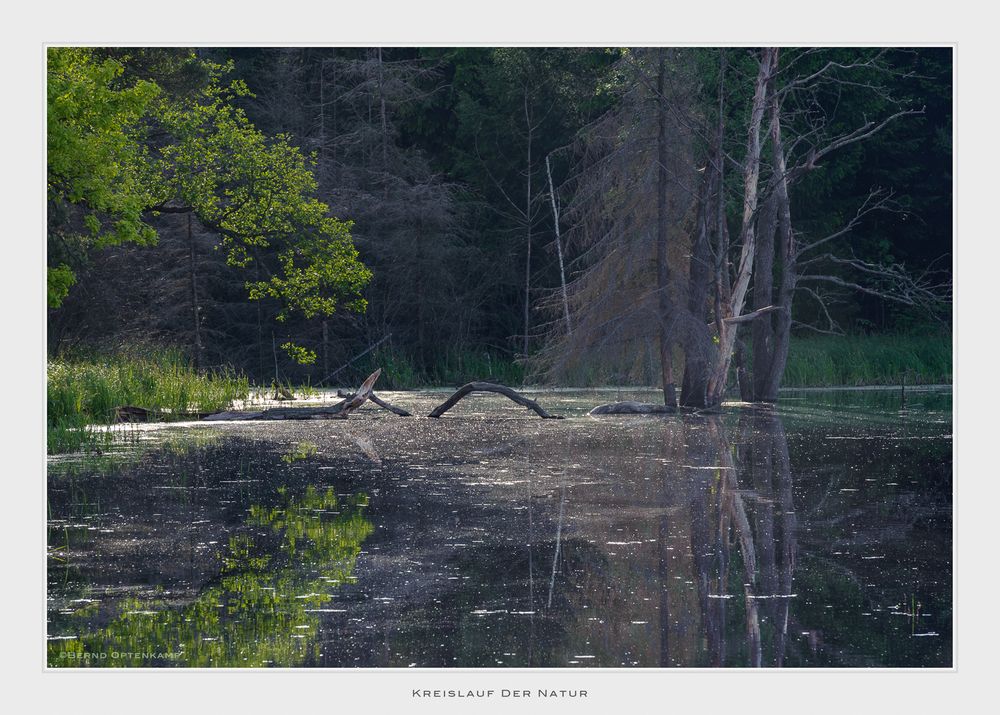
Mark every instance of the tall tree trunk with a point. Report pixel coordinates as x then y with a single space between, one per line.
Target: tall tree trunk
743 381
562 268
195 308
761 331
697 339
789 271
260 323
420 299
527 223
663 283
751 174
707 270
385 125
333 119
322 119
326 349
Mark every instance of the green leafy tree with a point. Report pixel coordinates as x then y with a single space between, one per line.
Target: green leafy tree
123 150
96 161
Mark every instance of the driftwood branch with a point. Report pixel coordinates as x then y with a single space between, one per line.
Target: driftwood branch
338 411
471 387
381 403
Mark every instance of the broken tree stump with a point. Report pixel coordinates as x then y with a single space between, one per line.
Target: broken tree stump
471 387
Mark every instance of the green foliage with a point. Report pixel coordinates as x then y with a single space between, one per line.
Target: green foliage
121 150
61 278
299 354
258 192
96 161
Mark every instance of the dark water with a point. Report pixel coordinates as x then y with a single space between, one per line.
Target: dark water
817 536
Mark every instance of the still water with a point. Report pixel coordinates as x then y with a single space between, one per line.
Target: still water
819 534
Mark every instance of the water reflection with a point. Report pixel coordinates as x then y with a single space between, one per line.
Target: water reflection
757 518
817 536
682 545
264 607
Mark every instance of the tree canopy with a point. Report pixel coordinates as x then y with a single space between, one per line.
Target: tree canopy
122 150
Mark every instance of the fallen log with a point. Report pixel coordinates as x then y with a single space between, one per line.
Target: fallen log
381 403
632 408
131 413
471 387
338 411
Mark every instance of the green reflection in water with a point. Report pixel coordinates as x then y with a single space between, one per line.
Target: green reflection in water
301 450
127 447
263 609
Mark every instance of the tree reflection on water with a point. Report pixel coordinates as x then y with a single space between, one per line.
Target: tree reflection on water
816 536
264 609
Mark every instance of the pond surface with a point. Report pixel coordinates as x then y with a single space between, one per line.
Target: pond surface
819 534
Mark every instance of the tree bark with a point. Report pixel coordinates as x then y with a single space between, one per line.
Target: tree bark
789 271
751 175
381 403
195 308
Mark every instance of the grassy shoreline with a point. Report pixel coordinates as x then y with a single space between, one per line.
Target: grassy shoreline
86 391
869 360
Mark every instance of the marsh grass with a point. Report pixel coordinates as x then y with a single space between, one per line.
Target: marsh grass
83 392
852 360
813 361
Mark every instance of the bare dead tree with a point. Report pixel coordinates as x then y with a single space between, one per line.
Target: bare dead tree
558 242
784 253
733 308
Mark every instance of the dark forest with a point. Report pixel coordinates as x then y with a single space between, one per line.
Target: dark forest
558 215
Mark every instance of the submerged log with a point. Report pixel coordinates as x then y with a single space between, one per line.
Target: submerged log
471 387
338 411
381 403
632 408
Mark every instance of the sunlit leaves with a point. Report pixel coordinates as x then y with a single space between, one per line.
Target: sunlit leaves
95 159
60 279
120 152
299 354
